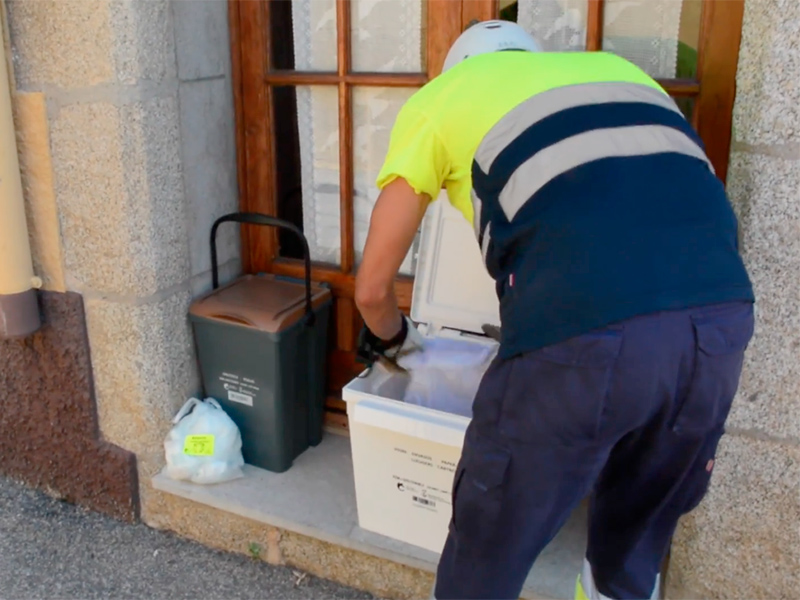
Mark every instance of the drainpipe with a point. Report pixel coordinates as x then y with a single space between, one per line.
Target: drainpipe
19 302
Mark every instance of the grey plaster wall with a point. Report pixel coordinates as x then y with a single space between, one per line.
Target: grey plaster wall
142 140
744 540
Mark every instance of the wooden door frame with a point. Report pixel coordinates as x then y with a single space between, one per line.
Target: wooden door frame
717 63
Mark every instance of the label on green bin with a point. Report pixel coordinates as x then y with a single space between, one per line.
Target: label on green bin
240 389
199 445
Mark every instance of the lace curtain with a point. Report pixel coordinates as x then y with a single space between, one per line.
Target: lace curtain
646 32
388 36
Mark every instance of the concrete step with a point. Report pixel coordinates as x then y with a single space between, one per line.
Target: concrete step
316 501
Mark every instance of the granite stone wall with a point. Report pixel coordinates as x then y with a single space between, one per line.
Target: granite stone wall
49 435
127 144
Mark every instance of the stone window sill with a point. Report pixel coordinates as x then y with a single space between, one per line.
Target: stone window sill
316 498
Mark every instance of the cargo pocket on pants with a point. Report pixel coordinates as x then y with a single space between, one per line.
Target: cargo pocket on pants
721 338
478 493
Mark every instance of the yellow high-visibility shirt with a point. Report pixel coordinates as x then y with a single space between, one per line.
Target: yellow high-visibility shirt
439 128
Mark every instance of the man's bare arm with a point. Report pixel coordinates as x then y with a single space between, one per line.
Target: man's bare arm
394 223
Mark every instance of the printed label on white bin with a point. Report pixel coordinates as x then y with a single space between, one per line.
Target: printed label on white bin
403 485
425 460
423 495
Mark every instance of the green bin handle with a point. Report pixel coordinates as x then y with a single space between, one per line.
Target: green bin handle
251 218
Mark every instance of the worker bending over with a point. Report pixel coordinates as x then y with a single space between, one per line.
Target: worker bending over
625 306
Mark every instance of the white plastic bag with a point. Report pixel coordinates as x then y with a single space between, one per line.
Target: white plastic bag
446 375
205 445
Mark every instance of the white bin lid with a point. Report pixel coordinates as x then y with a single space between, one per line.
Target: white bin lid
452 287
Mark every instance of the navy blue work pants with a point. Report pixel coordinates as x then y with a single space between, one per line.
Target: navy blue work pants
630 415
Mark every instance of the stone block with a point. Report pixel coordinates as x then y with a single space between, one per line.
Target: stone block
66 43
201 38
120 196
742 541
384 578
227 531
214 528
767 109
48 424
144 43
144 369
766 193
208 145
36 170
77 44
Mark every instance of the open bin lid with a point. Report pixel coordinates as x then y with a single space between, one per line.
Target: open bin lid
452 287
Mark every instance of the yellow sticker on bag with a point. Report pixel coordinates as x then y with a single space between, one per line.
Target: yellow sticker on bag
199 445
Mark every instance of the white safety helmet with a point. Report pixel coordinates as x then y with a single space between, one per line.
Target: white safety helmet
489 36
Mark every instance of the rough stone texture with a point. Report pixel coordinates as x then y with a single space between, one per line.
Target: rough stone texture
349 567
119 189
766 193
135 199
78 44
768 86
48 423
207 525
144 45
132 198
226 531
144 369
201 34
36 169
65 43
743 540
208 145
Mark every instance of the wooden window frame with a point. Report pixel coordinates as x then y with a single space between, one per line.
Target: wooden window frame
714 88
254 79
253 82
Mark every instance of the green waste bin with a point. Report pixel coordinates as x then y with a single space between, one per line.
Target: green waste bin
261 344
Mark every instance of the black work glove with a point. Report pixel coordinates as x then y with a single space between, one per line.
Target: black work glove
372 349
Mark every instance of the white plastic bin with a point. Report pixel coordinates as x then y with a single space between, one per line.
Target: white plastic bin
405 455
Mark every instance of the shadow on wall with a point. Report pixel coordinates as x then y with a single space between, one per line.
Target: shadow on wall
49 437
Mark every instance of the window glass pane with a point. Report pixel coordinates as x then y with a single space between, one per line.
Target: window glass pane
387 36
303 34
288 190
307 173
374 111
559 25
648 32
689 38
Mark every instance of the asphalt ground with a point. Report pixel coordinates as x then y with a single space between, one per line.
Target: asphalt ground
53 550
